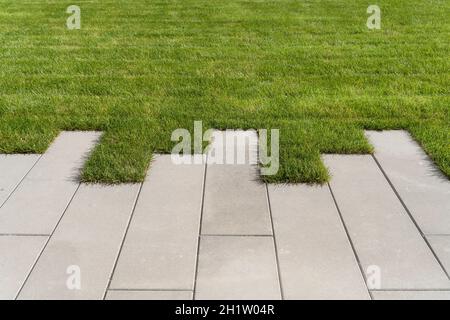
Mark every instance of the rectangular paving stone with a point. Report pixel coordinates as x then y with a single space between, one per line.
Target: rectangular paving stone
382 232
411 295
148 295
160 249
237 268
424 190
17 256
13 169
315 256
87 240
235 200
65 156
441 247
39 201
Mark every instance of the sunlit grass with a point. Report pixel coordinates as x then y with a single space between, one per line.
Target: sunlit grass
139 69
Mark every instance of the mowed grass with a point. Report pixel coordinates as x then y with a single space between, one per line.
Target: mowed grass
139 69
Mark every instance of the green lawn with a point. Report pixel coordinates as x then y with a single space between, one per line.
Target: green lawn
139 69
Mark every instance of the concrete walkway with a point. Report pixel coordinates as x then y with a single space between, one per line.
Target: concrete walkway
379 230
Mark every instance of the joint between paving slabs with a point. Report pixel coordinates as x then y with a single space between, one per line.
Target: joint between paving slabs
355 254
411 216
46 243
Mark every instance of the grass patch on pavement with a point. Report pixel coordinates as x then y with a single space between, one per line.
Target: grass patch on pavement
139 69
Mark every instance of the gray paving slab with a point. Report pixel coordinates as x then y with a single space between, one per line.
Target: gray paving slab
39 201
315 256
441 247
411 295
17 256
65 156
160 249
383 234
235 199
424 190
148 295
85 243
238 268
13 169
